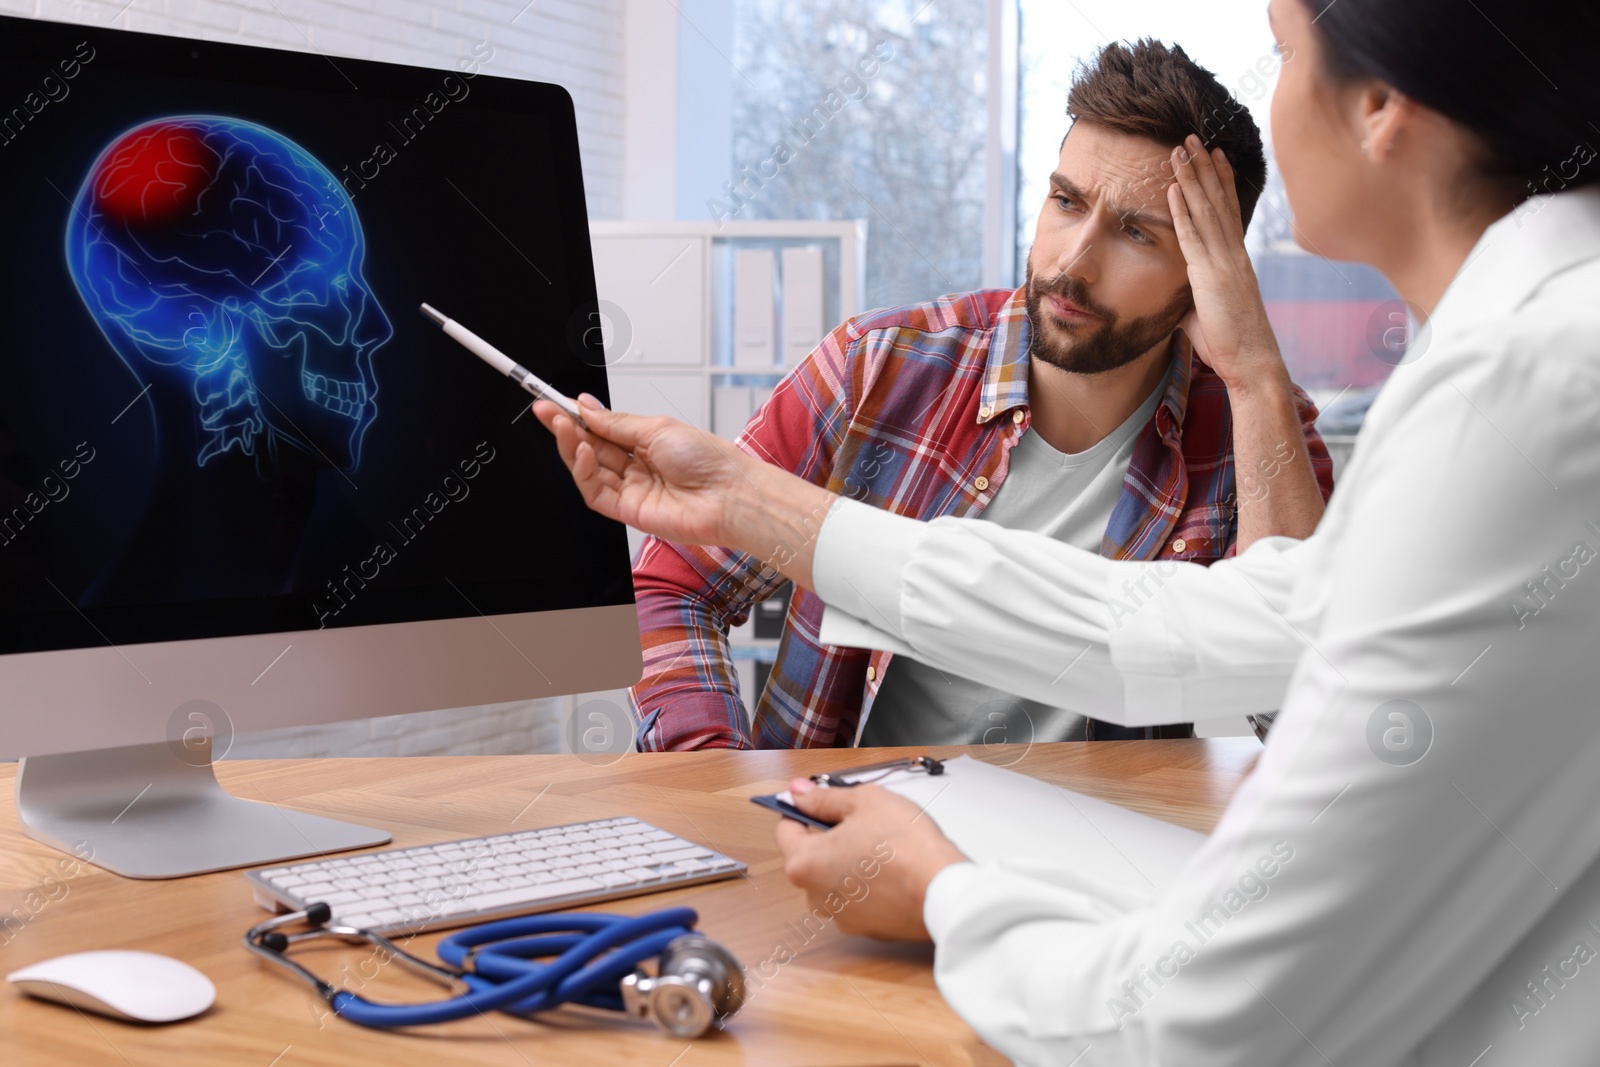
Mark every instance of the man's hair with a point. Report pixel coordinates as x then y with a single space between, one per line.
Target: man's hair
1154 91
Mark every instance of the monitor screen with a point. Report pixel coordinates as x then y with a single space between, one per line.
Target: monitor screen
221 411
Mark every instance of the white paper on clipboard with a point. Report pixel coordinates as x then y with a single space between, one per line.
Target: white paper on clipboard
991 814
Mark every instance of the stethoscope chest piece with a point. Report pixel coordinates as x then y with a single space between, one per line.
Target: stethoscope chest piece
697 985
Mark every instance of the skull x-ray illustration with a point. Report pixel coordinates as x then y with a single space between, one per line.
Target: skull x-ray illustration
222 259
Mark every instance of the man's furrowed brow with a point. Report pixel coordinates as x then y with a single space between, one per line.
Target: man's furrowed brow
1131 216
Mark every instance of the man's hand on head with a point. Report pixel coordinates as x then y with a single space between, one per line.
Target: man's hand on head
1231 332
872 870
1228 326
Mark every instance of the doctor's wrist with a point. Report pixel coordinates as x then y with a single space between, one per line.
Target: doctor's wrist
942 894
774 516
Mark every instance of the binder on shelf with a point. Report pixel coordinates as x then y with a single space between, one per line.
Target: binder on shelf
731 407
753 308
803 324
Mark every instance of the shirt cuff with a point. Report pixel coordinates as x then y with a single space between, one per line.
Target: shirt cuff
860 561
939 906
843 630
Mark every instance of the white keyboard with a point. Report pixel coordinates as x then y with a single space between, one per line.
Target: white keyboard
458 883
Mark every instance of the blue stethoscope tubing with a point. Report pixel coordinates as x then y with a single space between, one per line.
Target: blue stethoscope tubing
592 953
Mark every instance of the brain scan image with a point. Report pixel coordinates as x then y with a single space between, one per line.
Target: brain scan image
223 263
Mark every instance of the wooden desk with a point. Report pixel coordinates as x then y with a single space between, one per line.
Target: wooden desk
840 1000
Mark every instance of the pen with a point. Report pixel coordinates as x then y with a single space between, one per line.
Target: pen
503 363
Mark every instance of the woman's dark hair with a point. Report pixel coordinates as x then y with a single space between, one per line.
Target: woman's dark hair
1519 75
1152 90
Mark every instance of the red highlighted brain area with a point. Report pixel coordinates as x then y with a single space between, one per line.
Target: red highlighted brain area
154 174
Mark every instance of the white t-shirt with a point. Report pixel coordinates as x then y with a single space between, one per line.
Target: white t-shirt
1065 496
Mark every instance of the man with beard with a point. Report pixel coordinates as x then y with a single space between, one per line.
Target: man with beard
1080 407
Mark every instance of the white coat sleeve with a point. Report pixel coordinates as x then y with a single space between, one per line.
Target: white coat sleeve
1137 643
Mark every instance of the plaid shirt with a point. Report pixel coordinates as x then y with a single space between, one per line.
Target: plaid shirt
913 409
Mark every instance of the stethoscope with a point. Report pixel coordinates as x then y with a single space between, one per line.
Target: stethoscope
698 983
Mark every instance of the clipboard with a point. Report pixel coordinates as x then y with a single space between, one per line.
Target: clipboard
996 815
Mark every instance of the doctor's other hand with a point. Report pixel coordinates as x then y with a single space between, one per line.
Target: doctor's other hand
872 870
655 474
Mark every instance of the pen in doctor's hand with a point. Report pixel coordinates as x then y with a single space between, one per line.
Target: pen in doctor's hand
503 363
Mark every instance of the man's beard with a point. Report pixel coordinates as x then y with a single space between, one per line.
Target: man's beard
1110 345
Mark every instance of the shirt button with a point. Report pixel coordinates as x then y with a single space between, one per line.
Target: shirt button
985 411
1017 416
1179 545
981 484
872 673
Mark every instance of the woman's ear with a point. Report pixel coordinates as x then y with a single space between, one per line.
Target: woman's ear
1385 112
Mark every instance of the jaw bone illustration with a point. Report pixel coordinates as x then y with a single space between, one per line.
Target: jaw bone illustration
221 259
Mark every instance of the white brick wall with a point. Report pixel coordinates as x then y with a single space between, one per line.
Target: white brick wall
576 43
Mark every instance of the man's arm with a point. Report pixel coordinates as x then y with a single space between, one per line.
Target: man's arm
1281 491
688 693
1283 475
688 594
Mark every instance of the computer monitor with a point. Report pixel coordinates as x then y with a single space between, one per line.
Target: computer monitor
244 482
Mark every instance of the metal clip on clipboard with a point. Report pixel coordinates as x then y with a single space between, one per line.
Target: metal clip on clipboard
879 770
783 804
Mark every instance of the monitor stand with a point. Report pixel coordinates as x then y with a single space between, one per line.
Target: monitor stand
153 811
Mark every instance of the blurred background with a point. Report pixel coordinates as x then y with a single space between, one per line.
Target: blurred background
758 170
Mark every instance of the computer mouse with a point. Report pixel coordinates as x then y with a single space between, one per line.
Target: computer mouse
137 986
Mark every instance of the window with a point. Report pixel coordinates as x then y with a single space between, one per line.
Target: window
871 110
